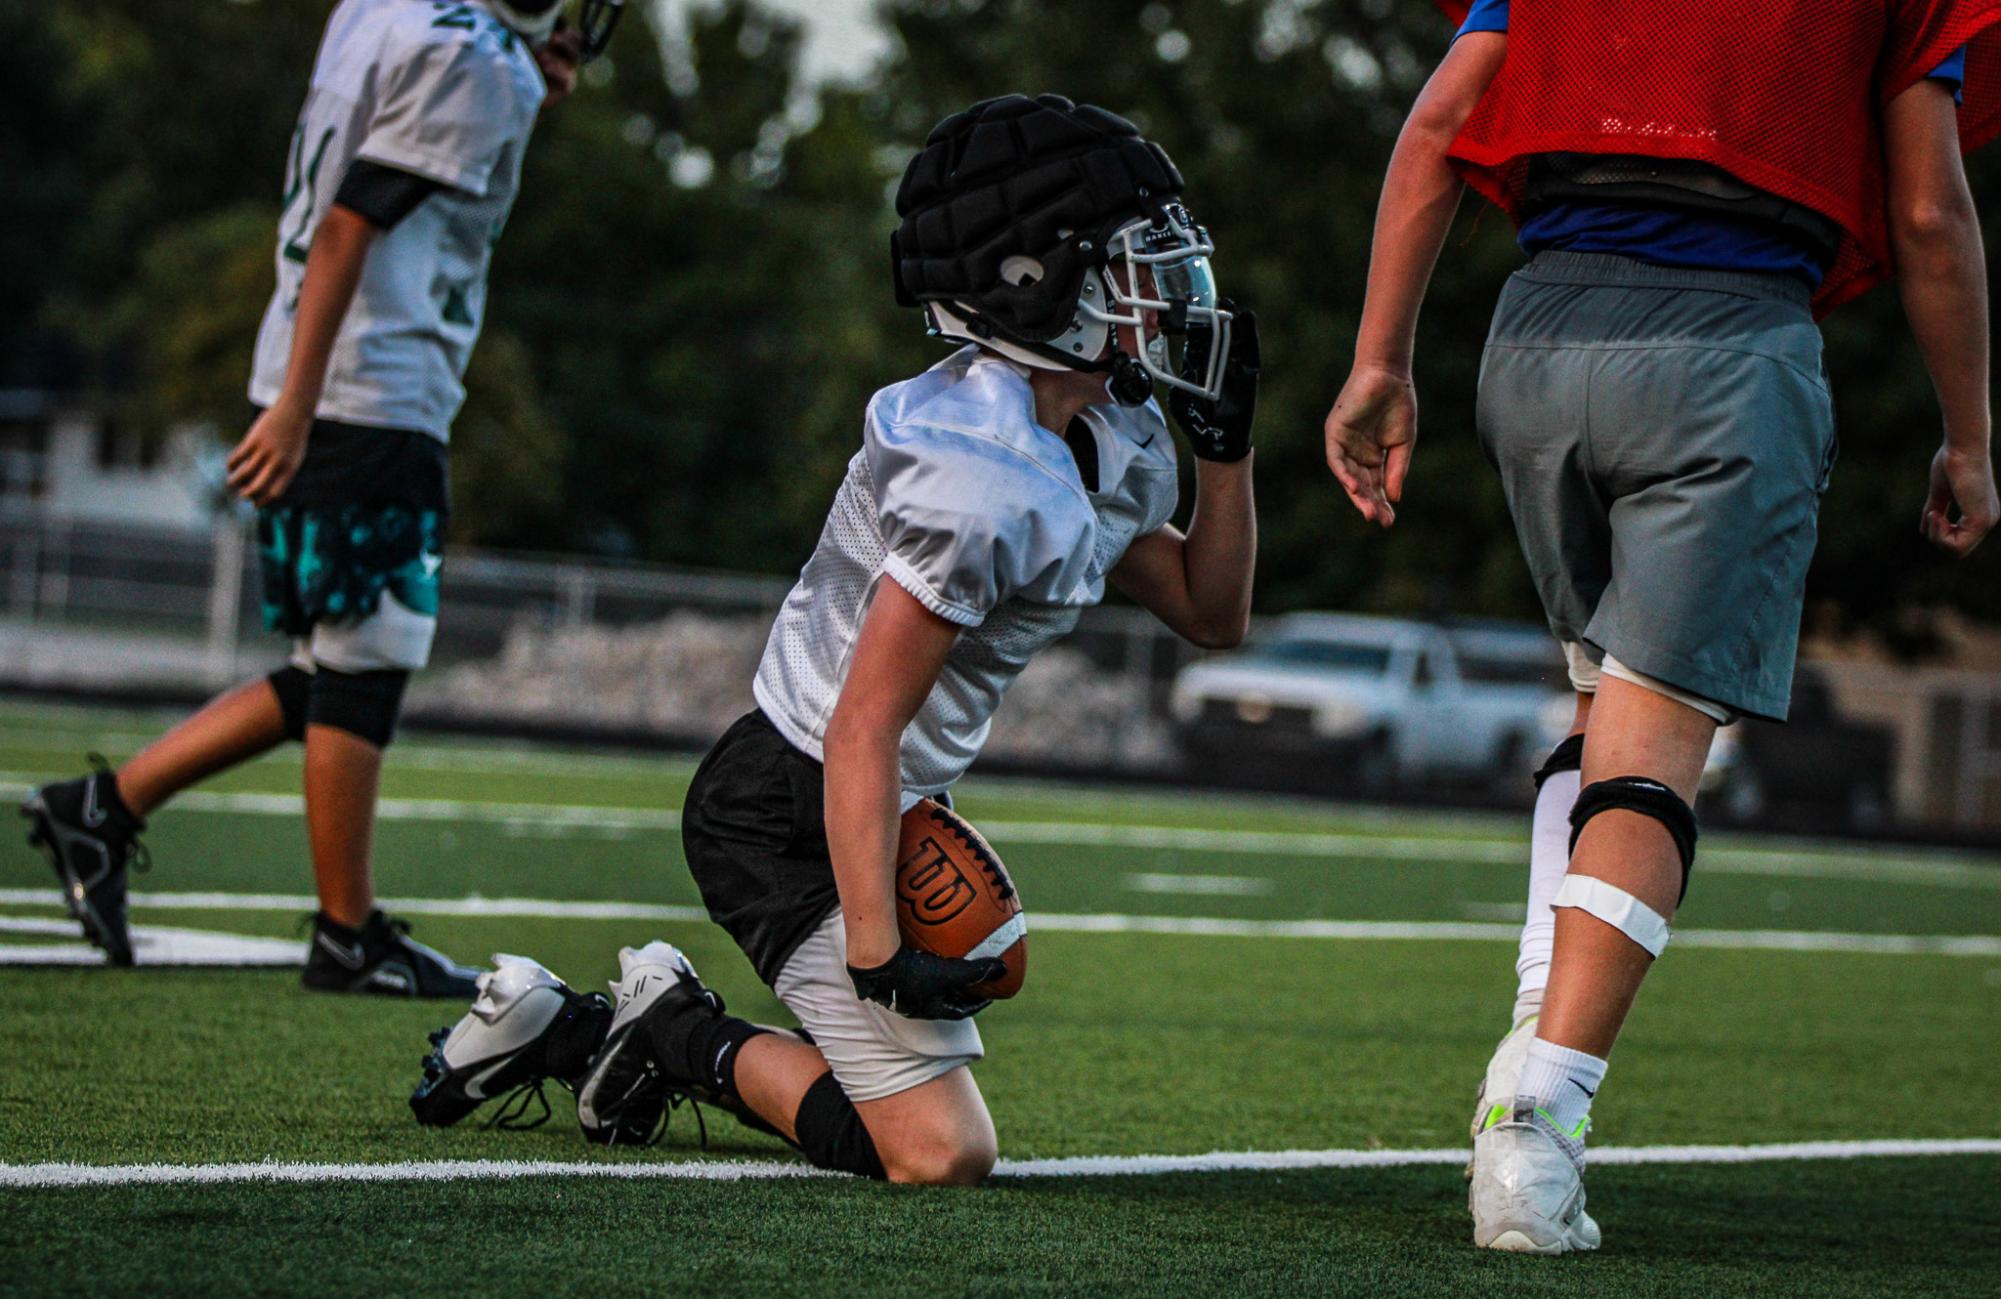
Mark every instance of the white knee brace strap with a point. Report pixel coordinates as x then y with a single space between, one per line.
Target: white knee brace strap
1617 908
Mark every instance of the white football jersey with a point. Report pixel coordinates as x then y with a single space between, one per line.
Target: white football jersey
960 498
440 89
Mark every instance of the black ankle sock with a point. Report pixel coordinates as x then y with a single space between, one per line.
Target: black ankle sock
703 1047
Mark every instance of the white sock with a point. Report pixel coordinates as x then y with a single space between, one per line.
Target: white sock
1549 862
1563 1083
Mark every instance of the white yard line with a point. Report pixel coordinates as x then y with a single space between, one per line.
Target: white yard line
1242 886
1945 869
1980 945
55 1176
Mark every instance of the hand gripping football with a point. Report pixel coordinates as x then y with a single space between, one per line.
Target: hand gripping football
954 898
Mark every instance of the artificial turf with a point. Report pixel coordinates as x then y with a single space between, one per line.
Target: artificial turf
1122 1043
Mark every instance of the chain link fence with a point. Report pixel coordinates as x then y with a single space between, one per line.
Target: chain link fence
634 653
538 645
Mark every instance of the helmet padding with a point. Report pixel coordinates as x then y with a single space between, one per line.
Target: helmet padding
1016 178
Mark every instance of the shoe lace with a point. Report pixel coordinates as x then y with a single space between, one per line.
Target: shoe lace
515 1106
137 855
674 1098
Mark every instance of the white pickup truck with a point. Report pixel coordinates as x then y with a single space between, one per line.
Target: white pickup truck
1367 701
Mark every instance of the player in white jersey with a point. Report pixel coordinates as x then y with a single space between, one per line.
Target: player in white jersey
993 498
401 172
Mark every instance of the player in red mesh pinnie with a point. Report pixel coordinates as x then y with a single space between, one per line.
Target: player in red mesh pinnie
1695 185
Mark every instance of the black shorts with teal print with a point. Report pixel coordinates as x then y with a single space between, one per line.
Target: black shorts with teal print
365 514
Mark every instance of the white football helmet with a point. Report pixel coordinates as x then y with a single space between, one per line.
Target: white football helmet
1158 280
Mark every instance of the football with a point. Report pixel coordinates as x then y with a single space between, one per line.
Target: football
954 898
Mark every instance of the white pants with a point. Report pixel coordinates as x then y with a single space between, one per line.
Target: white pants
874 1052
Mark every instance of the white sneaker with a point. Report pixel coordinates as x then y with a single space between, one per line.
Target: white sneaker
1527 1195
1497 1086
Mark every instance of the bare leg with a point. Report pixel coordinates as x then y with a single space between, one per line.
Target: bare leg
1597 970
342 773
935 1134
773 1071
231 728
938 1133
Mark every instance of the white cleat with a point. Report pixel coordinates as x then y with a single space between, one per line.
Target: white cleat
623 1096
1497 1086
1527 1195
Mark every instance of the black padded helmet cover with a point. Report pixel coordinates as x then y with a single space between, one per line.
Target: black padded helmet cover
1041 178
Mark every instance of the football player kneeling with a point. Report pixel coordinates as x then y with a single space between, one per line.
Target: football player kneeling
992 499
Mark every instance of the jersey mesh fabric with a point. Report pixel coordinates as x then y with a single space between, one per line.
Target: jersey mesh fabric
1698 82
440 91
812 641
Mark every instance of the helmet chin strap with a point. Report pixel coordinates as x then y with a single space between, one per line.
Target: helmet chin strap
1130 384
1127 381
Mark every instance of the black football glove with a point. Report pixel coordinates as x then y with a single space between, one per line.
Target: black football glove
1221 429
923 986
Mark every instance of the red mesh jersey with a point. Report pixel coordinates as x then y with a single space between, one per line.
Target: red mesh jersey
1784 94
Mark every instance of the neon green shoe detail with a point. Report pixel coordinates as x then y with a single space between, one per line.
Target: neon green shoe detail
1577 1135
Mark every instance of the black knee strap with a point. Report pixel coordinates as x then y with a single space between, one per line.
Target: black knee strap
364 704
1648 798
294 688
832 1134
1566 756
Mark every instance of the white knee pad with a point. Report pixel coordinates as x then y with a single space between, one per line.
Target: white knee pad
1617 908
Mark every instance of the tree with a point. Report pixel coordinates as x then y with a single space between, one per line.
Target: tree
692 303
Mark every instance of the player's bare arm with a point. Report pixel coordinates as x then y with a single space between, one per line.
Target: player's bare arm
900 652
1200 584
262 464
898 656
1942 279
1372 428
560 59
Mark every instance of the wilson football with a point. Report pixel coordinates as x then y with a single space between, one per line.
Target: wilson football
954 898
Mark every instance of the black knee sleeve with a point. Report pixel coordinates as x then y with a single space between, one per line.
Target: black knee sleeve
294 687
364 704
1648 798
1566 756
831 1132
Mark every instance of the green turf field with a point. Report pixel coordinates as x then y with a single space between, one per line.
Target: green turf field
1207 975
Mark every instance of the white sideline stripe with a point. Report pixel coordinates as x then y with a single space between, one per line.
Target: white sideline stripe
153 945
55 1176
525 815
1793 863
1779 940
1199 885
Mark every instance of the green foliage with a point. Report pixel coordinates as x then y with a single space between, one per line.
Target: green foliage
690 306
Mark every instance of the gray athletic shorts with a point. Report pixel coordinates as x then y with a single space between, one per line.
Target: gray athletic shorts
1664 437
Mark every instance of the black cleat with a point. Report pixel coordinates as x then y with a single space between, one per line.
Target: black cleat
381 957
83 827
525 1026
628 1089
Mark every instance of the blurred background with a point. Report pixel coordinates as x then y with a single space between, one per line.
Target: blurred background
690 308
